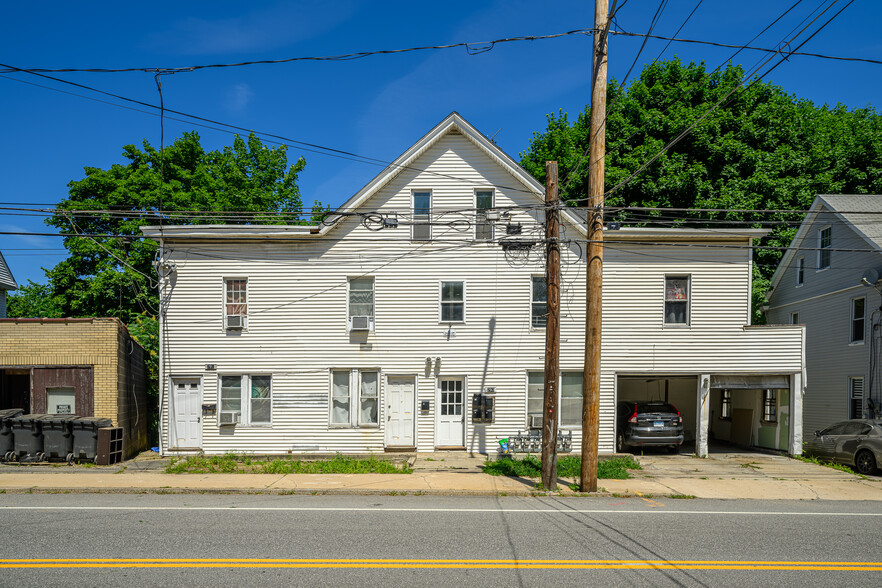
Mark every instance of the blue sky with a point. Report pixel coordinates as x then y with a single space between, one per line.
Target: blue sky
376 106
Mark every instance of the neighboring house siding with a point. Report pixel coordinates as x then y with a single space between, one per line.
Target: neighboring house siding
2 303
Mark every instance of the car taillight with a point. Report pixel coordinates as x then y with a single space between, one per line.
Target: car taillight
679 418
633 418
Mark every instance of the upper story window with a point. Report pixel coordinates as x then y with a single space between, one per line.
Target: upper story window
857 320
361 304
235 303
677 300
483 203
422 216
245 399
355 398
800 271
452 302
538 303
825 241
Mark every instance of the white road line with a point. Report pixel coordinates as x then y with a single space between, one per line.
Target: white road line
654 511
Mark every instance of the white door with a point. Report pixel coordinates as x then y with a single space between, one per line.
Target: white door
399 412
186 418
451 417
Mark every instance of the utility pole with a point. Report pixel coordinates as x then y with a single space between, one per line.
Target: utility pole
552 329
594 282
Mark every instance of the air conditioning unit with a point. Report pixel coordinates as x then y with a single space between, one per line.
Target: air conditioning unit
360 323
535 421
235 321
229 418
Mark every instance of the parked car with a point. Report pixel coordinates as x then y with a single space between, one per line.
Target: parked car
641 424
856 443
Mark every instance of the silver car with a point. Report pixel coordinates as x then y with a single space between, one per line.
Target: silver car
856 443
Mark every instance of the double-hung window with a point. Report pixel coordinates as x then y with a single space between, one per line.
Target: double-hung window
677 296
483 226
800 271
361 304
452 302
770 406
856 398
825 241
422 216
570 397
355 398
726 404
235 303
538 303
245 399
857 320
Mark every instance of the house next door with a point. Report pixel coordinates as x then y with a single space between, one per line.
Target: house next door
399 412
186 417
451 419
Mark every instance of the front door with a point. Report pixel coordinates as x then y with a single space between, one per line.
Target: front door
186 417
399 412
451 419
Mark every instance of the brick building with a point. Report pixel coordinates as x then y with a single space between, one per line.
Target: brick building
82 366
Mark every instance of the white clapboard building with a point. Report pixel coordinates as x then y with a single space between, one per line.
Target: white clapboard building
413 319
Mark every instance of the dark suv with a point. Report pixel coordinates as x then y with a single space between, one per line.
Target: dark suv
648 423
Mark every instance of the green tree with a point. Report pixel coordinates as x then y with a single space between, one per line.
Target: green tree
760 149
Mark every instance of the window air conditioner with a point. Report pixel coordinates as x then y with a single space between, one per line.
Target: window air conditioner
229 418
360 323
235 321
535 421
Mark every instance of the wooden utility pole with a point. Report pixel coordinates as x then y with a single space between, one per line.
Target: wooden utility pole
594 283
552 329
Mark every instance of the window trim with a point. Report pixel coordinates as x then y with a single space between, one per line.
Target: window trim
225 281
441 320
688 323
245 399
349 315
355 398
852 320
479 212
769 393
428 221
800 271
560 375
794 318
534 327
822 249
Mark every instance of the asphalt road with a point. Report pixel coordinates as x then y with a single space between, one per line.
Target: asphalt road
234 540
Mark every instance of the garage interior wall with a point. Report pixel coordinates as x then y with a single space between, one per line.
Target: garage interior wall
681 391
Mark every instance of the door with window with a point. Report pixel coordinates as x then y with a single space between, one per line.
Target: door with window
399 412
451 416
186 417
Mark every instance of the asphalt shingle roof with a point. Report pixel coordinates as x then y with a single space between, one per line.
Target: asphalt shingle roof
7 282
862 211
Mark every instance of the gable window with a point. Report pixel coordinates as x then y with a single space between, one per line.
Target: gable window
483 203
538 303
355 388
677 300
235 303
800 271
422 216
855 398
726 404
452 302
794 318
770 406
569 399
361 304
825 241
245 399
857 320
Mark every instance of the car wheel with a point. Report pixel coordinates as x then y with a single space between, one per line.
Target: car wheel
620 443
865 462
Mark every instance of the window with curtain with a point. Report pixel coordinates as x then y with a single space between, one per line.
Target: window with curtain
355 398
236 301
677 300
340 398
361 298
248 395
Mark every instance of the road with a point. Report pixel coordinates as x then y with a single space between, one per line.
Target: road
240 540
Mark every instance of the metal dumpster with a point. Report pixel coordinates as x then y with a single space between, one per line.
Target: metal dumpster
58 437
7 443
27 431
85 437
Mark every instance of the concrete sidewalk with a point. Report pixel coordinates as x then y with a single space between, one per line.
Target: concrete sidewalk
728 476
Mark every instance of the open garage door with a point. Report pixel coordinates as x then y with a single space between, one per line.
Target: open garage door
679 391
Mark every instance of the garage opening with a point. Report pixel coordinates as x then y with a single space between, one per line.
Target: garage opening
750 411
680 391
15 389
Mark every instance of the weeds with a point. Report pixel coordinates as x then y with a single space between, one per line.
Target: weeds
232 463
835 466
569 466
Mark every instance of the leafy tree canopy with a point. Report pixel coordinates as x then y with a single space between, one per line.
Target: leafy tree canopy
760 149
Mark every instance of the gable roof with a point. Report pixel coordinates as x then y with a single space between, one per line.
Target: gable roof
7 282
861 212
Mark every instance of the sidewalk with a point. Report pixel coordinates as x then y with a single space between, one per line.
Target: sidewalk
727 476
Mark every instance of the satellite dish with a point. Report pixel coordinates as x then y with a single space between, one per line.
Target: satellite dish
870 277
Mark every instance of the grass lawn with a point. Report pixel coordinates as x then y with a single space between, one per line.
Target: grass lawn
569 466
234 463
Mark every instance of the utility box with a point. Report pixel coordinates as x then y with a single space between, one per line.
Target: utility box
110 446
7 442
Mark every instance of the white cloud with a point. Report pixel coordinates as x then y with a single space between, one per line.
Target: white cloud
238 97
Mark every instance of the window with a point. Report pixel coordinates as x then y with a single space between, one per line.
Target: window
483 203
857 320
855 398
422 216
538 303
770 406
825 240
361 304
676 300
569 400
794 318
245 399
236 303
351 388
452 302
800 271
726 404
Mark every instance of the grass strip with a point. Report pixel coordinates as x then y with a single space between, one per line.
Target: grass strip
234 463
569 466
